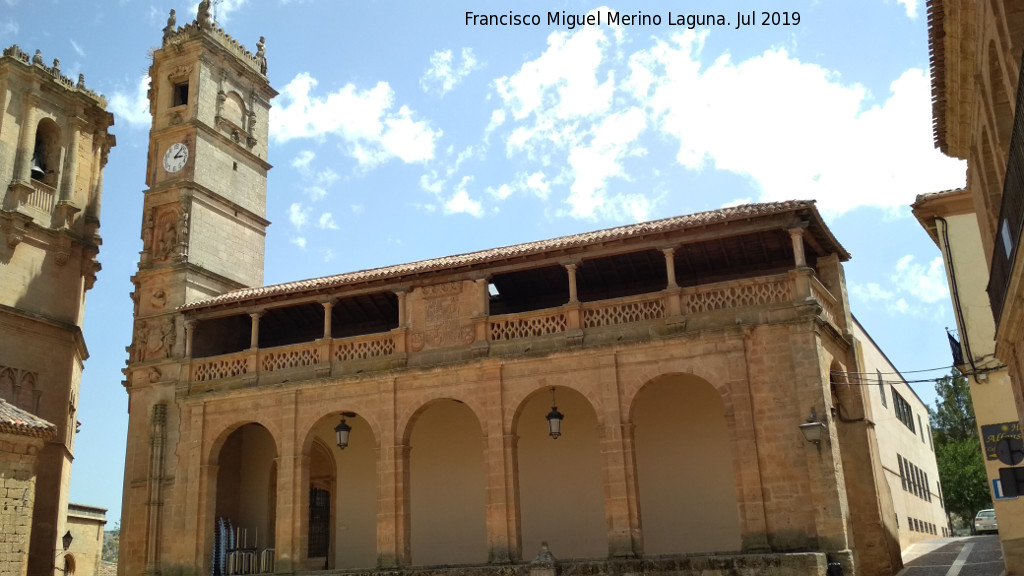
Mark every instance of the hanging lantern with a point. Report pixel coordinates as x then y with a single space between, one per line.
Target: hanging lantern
554 418
342 430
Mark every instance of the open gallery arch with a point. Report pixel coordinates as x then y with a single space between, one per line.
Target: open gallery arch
246 499
561 488
684 462
341 514
447 502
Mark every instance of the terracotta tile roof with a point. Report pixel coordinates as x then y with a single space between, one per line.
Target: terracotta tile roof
937 58
14 420
721 215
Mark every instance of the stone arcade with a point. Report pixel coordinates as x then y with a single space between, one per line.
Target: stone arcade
684 354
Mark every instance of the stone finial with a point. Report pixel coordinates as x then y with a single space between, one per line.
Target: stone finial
81 82
544 557
203 16
172 24
38 58
56 66
261 55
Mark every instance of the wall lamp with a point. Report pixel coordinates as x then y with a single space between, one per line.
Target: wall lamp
554 418
814 430
342 430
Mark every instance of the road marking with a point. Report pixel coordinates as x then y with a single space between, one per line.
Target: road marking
961 559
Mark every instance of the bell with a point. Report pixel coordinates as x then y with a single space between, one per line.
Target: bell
37 169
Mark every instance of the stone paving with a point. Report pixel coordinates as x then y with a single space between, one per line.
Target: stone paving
971 556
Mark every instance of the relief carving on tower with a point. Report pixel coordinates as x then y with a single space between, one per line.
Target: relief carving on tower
19 387
154 340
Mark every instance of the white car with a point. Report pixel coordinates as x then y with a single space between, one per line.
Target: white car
985 521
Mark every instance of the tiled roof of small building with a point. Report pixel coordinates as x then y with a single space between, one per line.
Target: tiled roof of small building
14 420
732 213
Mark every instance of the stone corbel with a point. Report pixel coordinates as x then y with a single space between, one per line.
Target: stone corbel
62 249
64 214
90 267
17 194
14 224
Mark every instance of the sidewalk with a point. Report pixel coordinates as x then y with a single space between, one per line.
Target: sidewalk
964 556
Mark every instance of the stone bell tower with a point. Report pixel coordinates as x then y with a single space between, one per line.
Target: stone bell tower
203 234
54 144
203 225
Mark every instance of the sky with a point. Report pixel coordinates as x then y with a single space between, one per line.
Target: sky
403 131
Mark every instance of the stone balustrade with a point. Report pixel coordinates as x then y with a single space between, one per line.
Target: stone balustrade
569 324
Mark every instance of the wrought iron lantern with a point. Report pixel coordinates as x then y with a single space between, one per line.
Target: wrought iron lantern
814 430
66 540
342 430
554 418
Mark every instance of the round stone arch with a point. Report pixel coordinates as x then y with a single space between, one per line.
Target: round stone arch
240 485
337 488
560 481
519 395
365 420
409 414
445 492
685 442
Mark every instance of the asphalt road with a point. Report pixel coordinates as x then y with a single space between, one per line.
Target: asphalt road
970 556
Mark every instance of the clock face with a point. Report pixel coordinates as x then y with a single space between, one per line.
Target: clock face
175 157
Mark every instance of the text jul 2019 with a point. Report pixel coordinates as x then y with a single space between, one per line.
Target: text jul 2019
597 18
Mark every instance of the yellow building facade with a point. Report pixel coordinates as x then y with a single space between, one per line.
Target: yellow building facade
951 222
402 418
54 143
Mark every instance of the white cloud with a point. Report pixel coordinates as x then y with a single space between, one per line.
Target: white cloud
806 135
870 292
444 75
131 107
299 241
911 6
537 184
327 221
371 132
298 215
564 77
926 283
462 203
224 9
77 48
302 161
915 290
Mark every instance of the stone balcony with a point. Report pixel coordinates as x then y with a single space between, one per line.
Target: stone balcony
651 315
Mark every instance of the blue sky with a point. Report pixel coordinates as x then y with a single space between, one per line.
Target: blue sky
402 133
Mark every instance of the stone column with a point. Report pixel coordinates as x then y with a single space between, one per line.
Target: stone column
190 330
670 266
26 145
390 508
254 337
797 235
292 491
571 269
70 173
328 308
402 320
498 508
620 504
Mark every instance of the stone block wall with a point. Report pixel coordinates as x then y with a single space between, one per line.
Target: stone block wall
17 495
